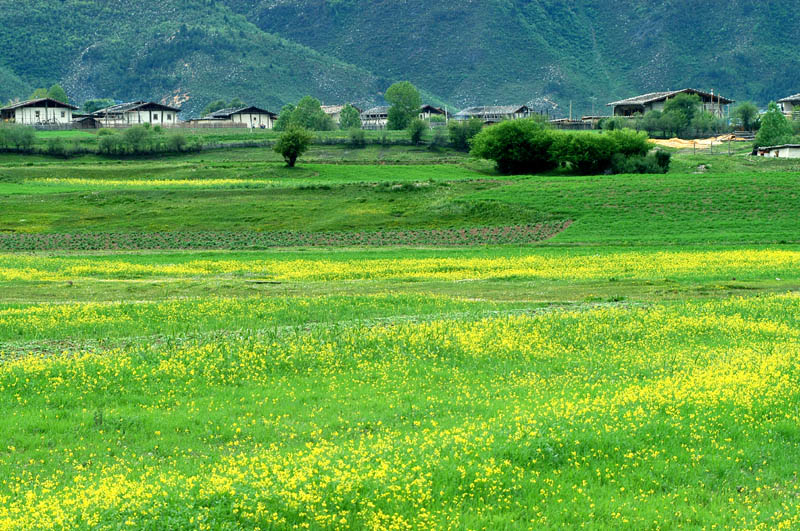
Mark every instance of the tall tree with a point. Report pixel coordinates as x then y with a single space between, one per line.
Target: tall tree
214 106
405 104
39 93
746 114
682 108
91 106
775 128
349 118
309 115
57 93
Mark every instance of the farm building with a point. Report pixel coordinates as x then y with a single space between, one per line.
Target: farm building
429 110
137 112
85 121
375 118
251 117
43 111
713 103
494 113
790 105
786 151
335 112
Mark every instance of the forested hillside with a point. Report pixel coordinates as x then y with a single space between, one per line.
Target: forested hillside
270 52
185 52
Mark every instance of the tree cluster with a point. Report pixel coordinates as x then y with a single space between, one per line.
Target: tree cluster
776 129
17 137
307 114
56 92
218 105
142 140
529 146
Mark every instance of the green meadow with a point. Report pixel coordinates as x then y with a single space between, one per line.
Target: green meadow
634 366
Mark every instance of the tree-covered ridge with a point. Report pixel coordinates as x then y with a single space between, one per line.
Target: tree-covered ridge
539 50
189 52
270 52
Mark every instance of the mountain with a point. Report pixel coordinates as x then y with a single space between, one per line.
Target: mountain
269 52
183 52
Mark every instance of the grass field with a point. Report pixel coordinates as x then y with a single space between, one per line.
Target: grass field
637 369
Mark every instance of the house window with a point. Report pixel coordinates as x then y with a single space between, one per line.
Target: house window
155 117
37 114
169 117
63 114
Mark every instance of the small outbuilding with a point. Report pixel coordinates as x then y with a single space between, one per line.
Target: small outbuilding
136 113
250 117
42 111
786 151
790 105
428 111
654 101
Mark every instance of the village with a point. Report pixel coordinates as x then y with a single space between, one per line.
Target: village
50 114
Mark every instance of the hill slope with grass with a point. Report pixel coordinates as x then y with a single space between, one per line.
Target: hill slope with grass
269 53
179 52
560 51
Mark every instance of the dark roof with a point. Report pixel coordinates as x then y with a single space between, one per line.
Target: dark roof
790 99
644 99
135 106
779 147
224 114
485 110
432 109
40 102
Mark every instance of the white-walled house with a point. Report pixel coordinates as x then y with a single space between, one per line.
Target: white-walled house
655 101
251 117
786 151
42 111
790 105
137 112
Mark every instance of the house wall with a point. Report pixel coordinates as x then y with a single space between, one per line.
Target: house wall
788 107
253 120
51 115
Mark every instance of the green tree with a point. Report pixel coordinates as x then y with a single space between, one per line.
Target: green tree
57 93
682 109
349 118
309 115
462 132
652 122
746 115
236 103
416 129
516 146
405 104
284 120
214 106
91 106
293 143
705 123
775 128
39 93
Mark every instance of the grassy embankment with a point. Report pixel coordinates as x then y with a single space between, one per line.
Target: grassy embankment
605 377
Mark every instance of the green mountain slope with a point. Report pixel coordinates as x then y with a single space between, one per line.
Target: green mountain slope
533 50
269 52
184 52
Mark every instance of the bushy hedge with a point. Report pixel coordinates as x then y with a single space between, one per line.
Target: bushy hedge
16 137
529 146
142 140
